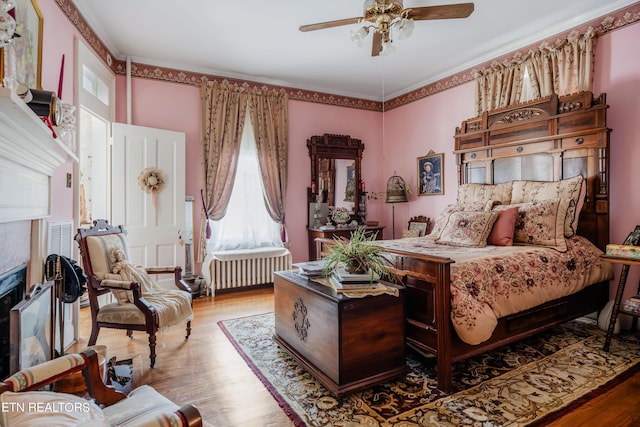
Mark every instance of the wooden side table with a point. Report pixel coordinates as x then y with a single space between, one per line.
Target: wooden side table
626 263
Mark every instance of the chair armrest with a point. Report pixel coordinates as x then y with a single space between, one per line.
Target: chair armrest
169 269
182 285
44 374
119 284
104 394
175 270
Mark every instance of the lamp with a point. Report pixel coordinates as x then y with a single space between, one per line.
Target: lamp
396 193
382 18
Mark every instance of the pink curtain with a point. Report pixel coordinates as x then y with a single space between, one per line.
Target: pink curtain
223 113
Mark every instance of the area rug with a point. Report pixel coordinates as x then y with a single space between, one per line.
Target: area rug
526 383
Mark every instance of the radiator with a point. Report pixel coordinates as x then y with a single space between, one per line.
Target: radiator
239 269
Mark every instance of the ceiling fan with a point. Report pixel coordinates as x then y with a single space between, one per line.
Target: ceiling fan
382 15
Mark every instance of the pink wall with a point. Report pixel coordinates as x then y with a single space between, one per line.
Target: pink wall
59 39
177 107
617 73
306 120
409 132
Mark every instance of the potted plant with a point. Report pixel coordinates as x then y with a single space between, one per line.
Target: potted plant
358 255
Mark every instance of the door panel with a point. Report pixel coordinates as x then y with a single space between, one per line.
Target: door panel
154 221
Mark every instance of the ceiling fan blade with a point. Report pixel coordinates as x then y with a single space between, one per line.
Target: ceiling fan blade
461 10
330 24
376 48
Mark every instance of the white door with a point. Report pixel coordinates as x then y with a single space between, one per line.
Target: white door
155 221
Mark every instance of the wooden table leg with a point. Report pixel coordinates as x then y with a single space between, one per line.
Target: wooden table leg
616 306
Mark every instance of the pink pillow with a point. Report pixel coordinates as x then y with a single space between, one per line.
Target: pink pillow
503 229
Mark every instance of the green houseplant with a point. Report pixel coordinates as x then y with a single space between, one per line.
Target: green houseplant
358 255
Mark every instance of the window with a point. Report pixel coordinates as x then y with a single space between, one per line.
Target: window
247 223
95 114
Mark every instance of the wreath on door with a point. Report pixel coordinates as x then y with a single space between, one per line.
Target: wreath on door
152 180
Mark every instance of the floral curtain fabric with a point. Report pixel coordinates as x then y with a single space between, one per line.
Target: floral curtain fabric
224 106
270 119
562 68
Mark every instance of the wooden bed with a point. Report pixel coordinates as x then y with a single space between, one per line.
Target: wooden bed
545 140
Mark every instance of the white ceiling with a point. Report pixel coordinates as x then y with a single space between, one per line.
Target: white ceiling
259 40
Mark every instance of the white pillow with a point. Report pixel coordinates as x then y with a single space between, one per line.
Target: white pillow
49 408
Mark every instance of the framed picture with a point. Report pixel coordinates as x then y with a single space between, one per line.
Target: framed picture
28 47
421 227
431 174
31 332
633 239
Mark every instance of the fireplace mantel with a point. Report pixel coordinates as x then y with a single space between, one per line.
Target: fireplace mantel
28 157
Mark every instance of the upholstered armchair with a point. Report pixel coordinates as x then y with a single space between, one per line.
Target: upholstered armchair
24 405
141 304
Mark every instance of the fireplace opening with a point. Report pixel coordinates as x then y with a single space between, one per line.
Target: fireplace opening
13 284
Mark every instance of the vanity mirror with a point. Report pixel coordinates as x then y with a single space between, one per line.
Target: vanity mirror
335 171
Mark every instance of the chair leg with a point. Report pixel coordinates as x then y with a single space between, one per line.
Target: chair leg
95 330
188 330
129 333
152 349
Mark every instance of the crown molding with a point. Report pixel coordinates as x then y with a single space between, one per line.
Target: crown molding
603 25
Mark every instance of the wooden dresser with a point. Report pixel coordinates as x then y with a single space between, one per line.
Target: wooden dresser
337 232
346 343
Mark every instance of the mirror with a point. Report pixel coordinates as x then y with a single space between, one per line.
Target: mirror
345 184
335 171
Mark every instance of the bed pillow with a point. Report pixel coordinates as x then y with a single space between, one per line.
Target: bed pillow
469 193
540 223
572 189
442 219
468 229
504 228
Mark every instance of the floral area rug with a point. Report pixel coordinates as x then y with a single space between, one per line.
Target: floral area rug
536 379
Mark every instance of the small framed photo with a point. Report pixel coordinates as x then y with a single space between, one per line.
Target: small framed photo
431 174
633 239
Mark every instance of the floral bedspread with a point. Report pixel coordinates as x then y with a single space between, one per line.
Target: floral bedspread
495 281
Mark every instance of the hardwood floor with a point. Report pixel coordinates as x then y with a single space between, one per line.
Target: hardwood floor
207 371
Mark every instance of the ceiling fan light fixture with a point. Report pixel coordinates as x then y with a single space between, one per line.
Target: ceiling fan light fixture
359 35
404 28
387 48
386 16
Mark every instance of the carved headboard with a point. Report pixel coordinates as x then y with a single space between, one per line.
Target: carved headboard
548 139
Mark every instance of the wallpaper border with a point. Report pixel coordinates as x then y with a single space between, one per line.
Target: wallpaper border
603 25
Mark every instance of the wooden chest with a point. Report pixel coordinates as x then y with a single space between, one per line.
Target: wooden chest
346 343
